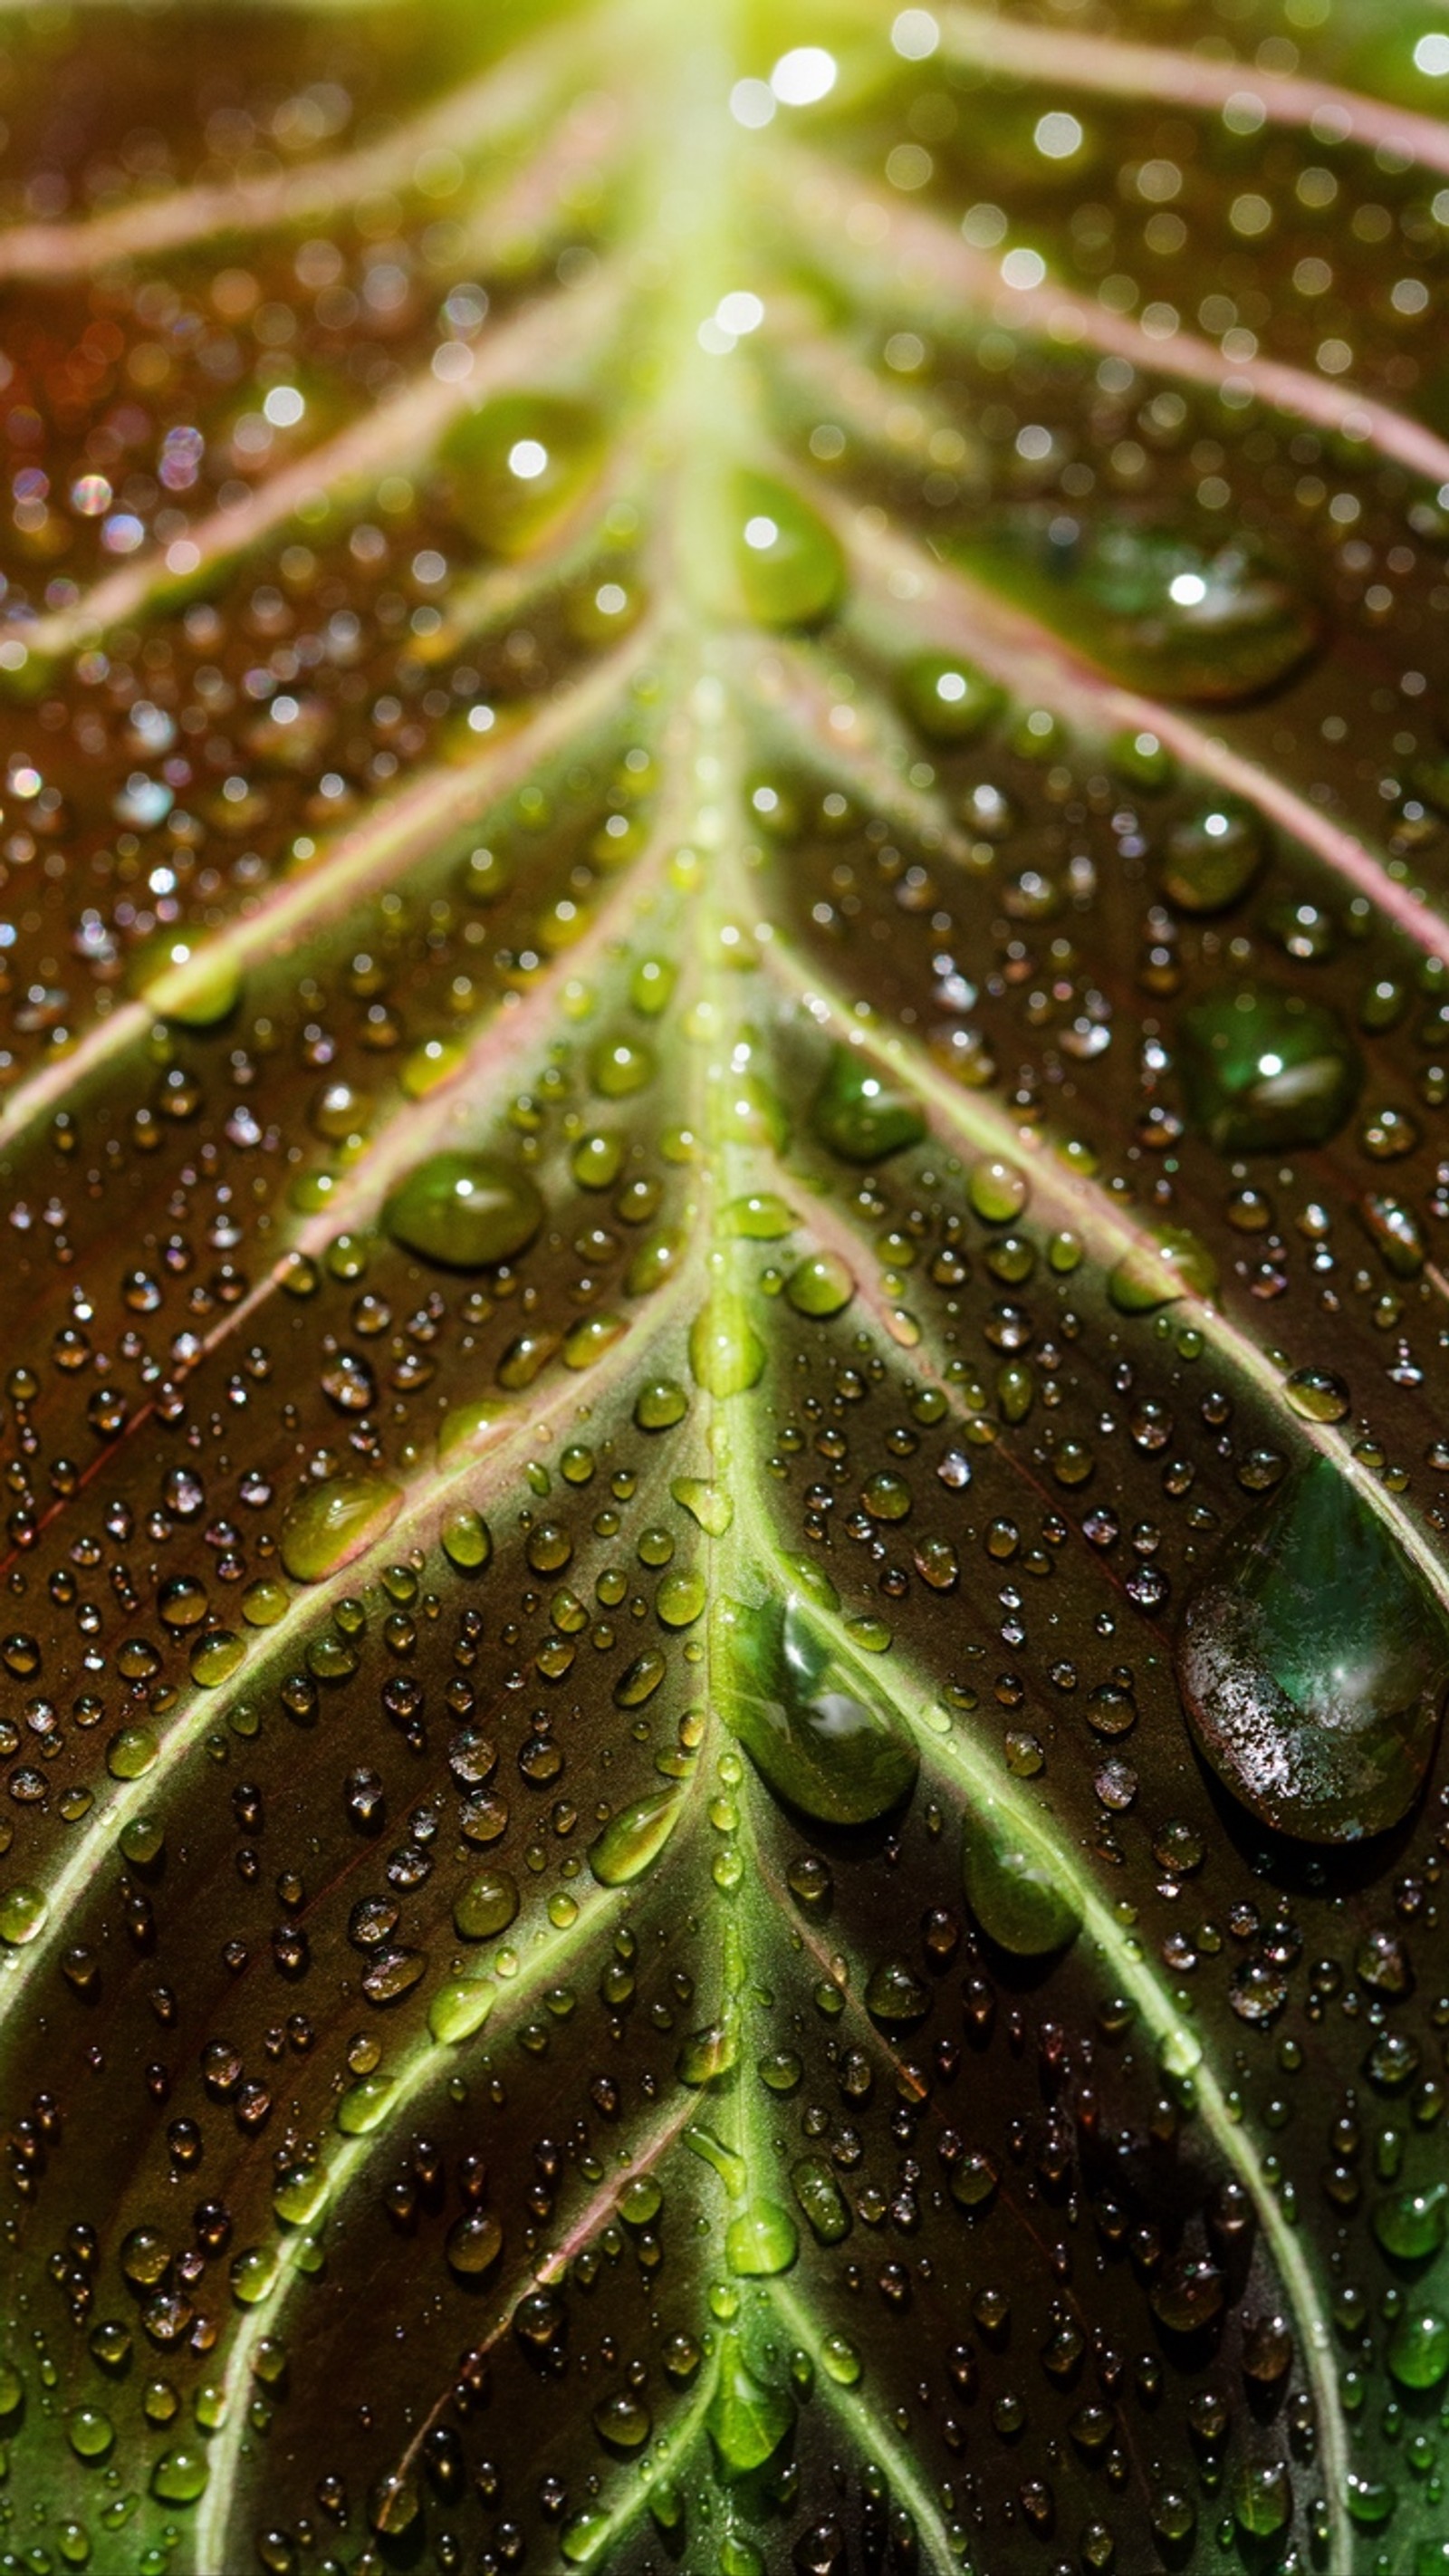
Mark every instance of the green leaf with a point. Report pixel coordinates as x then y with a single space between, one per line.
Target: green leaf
724 941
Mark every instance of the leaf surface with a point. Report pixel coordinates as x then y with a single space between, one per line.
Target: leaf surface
726 989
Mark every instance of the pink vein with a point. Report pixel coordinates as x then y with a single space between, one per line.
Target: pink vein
398 432
482 113
363 859
1034 663
1189 80
921 250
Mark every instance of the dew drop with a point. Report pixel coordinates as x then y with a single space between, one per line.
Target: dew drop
788 564
814 1726
185 979
1263 1070
1013 1881
517 465
858 1115
632 1841
1313 1660
464 1211
331 1523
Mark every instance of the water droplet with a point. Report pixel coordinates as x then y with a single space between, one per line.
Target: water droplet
1013 1881
180 2475
809 1719
821 2198
89 2432
468 1430
1418 2354
215 1657
632 1841
466 1540
1412 2224
1263 1069
858 1115
1160 609
23 1915
747 2420
486 1905
726 1354
820 1285
331 1523
1313 1660
459 2008
185 978
1318 1394
762 1217
997 1192
473 2244
789 565
1212 856
949 699
464 1211
1173 1264
517 465
763 2240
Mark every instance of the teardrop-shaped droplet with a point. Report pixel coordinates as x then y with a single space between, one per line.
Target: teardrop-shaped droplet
858 1114
805 1712
183 978
821 2198
466 1430
632 1841
1264 1069
1212 856
788 563
515 466
1013 1881
331 1523
747 2421
762 1217
465 1211
459 2008
1171 1265
726 1353
1161 609
948 698
1313 1659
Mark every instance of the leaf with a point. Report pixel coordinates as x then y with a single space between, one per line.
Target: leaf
726 984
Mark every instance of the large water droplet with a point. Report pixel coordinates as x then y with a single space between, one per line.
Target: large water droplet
331 1523
464 1211
788 564
747 2421
1264 1069
949 699
1013 1881
1171 1265
726 1353
1212 856
858 1115
1183 616
183 978
515 466
761 2241
806 1714
1313 1660
632 1841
